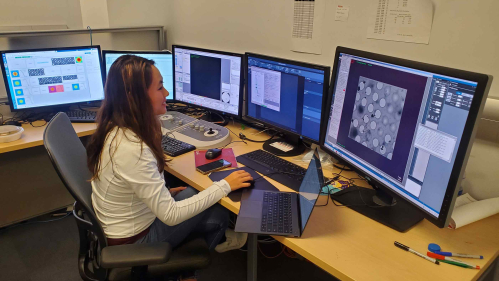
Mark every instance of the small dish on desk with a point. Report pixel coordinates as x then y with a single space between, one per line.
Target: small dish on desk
10 133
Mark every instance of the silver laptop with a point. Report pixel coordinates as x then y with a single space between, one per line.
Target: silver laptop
281 213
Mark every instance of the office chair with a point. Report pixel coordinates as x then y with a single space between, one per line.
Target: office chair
97 260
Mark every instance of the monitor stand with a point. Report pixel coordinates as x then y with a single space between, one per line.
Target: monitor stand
380 206
293 140
215 118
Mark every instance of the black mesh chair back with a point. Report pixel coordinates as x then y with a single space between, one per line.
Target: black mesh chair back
69 157
123 262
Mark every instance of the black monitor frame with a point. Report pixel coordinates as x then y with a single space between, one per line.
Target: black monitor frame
7 87
241 82
467 138
105 52
327 72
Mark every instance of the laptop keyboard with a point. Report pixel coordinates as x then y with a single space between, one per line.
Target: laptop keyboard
277 215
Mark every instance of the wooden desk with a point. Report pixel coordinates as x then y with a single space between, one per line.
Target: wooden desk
351 246
29 184
33 136
337 239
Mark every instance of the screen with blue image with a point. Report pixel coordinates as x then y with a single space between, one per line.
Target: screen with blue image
286 95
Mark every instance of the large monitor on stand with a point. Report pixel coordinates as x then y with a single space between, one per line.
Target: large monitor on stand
53 77
209 79
406 127
163 60
288 96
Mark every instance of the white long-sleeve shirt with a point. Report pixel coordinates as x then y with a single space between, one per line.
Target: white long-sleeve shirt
130 192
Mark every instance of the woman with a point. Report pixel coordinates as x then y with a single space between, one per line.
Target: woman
125 156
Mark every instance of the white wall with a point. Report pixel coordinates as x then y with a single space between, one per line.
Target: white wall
126 13
40 12
464 33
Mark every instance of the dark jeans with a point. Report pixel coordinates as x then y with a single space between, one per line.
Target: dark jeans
210 224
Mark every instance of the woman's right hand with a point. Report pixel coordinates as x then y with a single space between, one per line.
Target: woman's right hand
239 179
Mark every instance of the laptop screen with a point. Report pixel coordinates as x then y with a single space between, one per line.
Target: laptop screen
310 188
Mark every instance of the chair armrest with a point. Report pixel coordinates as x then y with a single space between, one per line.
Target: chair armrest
131 255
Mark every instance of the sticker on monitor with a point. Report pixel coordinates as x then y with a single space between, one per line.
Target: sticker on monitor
376 115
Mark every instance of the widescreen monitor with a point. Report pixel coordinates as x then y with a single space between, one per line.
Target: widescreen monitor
52 77
209 79
287 95
163 60
405 126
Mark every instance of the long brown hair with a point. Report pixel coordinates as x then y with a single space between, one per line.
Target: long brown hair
126 105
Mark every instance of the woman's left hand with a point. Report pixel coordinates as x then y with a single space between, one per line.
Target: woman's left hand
174 191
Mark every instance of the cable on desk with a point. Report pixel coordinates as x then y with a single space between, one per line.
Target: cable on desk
344 168
233 142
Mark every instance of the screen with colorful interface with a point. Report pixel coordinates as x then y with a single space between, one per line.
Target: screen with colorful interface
399 125
52 77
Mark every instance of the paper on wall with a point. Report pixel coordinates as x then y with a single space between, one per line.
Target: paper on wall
341 13
469 210
401 20
308 16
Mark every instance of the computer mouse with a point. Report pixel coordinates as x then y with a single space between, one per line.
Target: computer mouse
251 182
213 153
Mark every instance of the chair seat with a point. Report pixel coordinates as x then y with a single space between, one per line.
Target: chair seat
192 255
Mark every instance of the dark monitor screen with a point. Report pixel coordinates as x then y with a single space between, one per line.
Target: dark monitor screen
163 60
403 124
209 79
52 77
286 94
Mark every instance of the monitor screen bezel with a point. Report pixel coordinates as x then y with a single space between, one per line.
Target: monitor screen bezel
241 79
130 52
466 138
327 72
7 86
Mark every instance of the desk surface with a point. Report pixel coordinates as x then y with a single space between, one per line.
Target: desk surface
342 242
351 246
33 136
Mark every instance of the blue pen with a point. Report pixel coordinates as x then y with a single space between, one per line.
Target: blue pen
435 248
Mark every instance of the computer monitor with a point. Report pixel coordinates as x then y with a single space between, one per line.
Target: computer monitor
209 79
407 127
163 60
288 96
52 77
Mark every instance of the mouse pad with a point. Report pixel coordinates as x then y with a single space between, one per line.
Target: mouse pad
260 183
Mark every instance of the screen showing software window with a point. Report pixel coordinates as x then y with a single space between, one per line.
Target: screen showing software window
163 61
53 77
286 96
399 125
207 79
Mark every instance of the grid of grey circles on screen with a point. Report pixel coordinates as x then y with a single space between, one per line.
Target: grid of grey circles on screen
376 115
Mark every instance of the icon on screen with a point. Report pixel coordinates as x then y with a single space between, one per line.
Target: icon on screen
79 60
17 83
15 73
21 101
76 87
19 92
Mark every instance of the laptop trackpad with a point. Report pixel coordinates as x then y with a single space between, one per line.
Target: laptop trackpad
251 209
249 217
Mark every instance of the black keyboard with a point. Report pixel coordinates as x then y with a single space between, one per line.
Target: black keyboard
174 147
81 116
276 215
285 172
